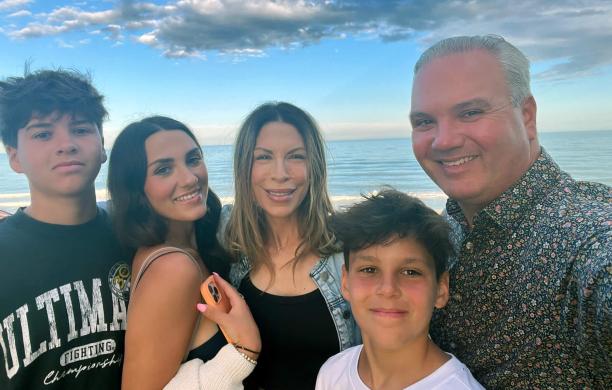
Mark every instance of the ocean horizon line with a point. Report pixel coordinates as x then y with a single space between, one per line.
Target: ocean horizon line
12 201
391 138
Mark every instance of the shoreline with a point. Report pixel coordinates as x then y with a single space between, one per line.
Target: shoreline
436 200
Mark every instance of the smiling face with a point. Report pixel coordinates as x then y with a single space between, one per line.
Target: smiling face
279 176
60 154
392 289
176 184
467 135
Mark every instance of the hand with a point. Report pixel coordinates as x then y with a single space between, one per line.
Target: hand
238 323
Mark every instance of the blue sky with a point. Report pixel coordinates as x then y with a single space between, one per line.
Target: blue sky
349 63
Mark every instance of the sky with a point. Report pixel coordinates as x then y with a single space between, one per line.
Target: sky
208 63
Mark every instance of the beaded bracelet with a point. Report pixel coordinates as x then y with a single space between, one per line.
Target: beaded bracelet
248 358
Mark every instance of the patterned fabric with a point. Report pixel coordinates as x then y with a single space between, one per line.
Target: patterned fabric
531 286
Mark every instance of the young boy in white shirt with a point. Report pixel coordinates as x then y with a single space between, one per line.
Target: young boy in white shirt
395 250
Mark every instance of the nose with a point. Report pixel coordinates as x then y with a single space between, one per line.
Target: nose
66 144
447 136
388 286
280 172
187 178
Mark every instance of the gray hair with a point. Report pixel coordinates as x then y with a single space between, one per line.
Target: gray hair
513 62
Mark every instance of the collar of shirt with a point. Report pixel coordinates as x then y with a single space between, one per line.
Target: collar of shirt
514 204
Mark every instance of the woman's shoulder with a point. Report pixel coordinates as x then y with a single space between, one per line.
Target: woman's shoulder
165 260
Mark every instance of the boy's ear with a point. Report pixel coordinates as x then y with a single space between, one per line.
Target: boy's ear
343 285
104 155
443 291
13 159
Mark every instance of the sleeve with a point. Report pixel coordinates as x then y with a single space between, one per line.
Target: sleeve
594 293
323 379
225 371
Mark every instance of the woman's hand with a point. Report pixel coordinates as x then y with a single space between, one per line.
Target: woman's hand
238 323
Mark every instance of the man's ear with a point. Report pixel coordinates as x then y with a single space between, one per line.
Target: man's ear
443 291
344 285
529 110
13 159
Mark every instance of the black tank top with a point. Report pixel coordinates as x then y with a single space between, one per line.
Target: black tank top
209 348
297 337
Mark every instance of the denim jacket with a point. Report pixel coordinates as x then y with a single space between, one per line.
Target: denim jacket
327 275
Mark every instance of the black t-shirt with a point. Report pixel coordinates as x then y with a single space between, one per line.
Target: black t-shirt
297 335
63 304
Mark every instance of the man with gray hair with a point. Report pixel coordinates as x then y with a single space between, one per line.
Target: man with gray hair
531 284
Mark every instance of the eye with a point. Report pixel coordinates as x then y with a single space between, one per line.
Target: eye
471 114
411 272
297 156
368 270
82 130
194 160
162 170
422 123
42 135
262 157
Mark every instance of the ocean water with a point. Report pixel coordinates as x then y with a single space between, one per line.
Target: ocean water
360 166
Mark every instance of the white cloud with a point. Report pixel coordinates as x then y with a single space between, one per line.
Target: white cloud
10 4
19 14
578 33
61 43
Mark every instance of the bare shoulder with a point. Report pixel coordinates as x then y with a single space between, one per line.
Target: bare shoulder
169 270
4 214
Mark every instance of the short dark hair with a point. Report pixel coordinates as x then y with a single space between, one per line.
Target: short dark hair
388 214
135 221
44 92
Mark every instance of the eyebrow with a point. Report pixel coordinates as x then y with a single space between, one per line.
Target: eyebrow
45 125
480 102
38 125
161 161
406 260
476 102
418 114
271 152
168 160
81 122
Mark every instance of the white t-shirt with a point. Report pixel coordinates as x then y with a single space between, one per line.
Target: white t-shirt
340 372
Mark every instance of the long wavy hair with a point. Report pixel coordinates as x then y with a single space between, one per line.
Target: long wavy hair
247 230
136 223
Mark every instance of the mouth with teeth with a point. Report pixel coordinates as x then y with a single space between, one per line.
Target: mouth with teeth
457 162
280 195
189 196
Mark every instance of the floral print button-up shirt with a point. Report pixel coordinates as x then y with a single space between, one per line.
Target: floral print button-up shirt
531 286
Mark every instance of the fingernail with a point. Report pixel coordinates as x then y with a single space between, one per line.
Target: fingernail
201 307
214 273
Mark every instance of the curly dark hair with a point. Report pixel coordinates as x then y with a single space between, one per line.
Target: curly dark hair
43 92
388 214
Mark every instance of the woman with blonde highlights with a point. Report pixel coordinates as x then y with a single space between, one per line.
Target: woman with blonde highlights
287 263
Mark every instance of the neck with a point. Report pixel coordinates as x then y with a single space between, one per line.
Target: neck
63 210
283 234
181 234
399 367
